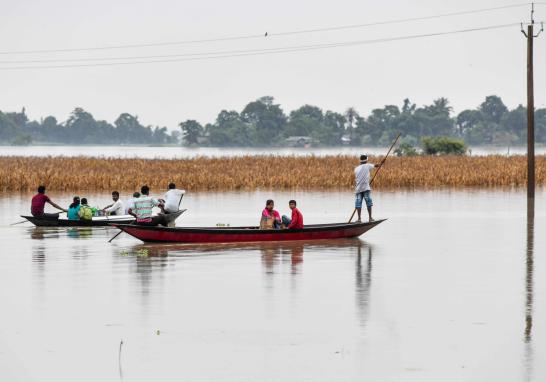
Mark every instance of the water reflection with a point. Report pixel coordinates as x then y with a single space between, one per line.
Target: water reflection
529 284
363 282
41 233
276 254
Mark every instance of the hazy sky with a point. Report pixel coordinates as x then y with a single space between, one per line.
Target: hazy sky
462 67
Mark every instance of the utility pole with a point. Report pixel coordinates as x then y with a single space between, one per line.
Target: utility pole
530 35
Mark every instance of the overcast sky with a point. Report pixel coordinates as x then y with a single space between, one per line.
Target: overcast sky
462 67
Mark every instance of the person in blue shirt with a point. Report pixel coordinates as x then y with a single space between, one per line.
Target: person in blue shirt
74 209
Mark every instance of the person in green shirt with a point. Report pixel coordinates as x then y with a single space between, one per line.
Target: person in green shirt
85 212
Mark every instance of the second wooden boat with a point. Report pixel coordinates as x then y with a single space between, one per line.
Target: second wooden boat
245 234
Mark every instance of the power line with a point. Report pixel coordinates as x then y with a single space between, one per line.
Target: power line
256 52
222 53
261 35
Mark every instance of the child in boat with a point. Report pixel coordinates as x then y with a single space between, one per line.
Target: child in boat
74 209
85 212
270 218
297 218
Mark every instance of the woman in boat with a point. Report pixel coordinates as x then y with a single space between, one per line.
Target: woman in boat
74 208
270 218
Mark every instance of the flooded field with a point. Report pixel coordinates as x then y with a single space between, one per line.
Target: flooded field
451 288
173 152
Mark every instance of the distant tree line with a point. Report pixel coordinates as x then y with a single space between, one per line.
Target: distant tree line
81 128
263 123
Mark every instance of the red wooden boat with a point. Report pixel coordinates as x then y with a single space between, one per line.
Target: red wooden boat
245 234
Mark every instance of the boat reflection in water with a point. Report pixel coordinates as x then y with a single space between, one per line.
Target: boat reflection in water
273 253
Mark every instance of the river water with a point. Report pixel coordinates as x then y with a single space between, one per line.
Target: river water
451 288
171 152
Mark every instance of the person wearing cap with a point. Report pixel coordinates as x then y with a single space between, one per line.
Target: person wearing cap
362 189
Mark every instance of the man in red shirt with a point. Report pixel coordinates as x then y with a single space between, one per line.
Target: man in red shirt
38 203
297 218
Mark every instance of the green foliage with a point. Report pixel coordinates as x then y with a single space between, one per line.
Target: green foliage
191 131
405 150
21 140
443 146
263 123
80 128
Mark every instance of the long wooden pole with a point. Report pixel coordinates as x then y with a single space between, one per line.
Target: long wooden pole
530 116
379 168
384 159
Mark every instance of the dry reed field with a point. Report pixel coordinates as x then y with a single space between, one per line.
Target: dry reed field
268 172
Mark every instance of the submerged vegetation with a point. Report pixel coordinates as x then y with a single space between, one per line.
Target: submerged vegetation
263 172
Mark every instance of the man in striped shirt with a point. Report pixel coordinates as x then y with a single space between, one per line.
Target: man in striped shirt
143 206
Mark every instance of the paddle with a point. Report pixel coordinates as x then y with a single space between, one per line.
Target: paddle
23 221
117 234
379 168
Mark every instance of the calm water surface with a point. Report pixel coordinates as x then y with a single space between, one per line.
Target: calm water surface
450 288
186 152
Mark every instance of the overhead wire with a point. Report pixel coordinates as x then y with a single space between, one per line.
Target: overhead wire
265 51
261 35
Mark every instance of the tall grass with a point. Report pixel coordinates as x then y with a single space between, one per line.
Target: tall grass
269 172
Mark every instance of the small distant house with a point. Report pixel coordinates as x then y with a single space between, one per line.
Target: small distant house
346 139
300 141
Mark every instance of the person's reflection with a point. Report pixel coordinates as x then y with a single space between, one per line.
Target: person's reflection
79 233
363 282
296 258
147 266
270 257
41 233
274 254
529 283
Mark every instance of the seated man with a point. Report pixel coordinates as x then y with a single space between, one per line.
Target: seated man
74 209
143 206
85 212
297 218
115 208
38 204
173 198
130 203
270 218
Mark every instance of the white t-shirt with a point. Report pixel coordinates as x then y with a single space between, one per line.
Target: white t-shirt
130 203
117 208
362 176
172 199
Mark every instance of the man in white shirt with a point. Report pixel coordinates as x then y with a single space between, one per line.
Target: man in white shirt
115 208
173 198
130 203
362 189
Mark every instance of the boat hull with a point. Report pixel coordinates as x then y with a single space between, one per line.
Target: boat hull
100 221
245 234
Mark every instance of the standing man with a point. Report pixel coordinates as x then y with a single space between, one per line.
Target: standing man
362 189
143 206
38 204
115 208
